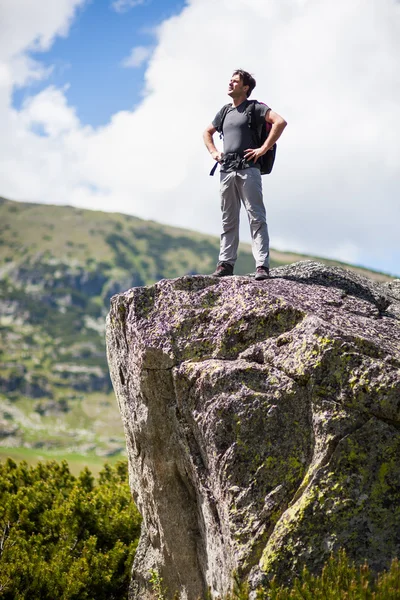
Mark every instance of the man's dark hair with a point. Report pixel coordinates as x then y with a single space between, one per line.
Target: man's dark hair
247 79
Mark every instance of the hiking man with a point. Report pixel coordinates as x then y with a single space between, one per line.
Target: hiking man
240 174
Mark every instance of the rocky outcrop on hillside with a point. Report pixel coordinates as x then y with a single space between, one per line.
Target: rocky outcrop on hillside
262 423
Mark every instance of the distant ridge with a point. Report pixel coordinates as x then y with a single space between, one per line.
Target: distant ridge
55 217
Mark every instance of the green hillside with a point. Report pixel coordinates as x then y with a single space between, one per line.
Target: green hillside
59 266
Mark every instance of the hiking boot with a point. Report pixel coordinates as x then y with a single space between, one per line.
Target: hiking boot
223 270
261 273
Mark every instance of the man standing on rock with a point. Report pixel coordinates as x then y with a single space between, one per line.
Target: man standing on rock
240 173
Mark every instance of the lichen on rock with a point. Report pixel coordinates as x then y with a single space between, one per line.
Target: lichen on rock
262 423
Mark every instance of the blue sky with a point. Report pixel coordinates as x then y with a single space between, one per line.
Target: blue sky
89 60
80 128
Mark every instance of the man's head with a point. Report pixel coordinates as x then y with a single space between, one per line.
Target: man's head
241 83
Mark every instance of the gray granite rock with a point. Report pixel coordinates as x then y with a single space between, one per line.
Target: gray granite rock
262 423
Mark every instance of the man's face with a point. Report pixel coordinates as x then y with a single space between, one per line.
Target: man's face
236 87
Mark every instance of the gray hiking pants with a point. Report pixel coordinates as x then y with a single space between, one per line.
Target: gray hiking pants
236 187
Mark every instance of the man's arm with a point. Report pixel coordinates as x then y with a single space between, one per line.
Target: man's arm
209 142
278 125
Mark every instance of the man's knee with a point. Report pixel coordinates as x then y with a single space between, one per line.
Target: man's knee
257 220
230 214
230 225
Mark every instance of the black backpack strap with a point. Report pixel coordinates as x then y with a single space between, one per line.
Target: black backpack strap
251 118
214 168
224 112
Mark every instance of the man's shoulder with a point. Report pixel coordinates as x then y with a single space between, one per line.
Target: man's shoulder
260 108
220 116
256 103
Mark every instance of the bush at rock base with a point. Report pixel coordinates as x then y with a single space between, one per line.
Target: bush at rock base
65 537
340 580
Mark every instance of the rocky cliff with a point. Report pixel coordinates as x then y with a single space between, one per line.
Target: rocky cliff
262 423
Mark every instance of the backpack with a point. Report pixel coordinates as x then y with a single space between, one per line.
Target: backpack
266 161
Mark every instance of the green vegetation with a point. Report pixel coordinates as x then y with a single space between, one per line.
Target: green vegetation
88 425
340 580
63 536
76 461
157 585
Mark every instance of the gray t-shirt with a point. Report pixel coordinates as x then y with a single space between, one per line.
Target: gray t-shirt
237 134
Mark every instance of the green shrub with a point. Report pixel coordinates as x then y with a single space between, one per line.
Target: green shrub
340 580
65 537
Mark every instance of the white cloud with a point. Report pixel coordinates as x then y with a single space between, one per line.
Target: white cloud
49 109
330 68
34 25
24 26
122 6
138 56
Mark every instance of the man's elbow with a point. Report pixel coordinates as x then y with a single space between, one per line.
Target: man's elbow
207 136
282 123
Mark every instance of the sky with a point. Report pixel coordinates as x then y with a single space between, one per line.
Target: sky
103 104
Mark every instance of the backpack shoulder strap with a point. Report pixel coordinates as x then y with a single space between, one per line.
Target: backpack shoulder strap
250 112
223 111
251 116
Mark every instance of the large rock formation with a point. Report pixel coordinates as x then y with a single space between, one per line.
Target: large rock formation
262 423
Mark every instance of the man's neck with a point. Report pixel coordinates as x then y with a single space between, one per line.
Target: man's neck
237 101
